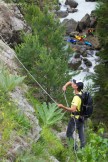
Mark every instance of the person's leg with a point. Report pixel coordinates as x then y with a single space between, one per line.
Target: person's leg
69 133
70 128
81 133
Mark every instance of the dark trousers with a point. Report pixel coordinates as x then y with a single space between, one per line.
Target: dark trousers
79 126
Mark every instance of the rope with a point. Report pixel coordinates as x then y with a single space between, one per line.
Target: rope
35 79
32 75
75 126
66 99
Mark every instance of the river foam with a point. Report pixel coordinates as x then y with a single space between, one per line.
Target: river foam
83 8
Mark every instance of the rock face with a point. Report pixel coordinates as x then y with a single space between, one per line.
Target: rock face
11 23
85 22
70 25
7 56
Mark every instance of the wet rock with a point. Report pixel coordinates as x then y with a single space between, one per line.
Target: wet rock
72 10
84 54
77 55
74 63
85 22
70 25
82 50
87 62
90 52
62 14
71 3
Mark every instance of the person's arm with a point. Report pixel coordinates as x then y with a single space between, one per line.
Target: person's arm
66 85
73 108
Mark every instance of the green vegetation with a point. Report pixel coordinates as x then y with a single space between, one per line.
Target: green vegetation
48 145
49 114
43 52
12 120
101 77
96 148
9 81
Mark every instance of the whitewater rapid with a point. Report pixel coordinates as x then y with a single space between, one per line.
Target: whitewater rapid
83 8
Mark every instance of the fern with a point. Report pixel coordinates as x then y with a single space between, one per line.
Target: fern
9 81
49 114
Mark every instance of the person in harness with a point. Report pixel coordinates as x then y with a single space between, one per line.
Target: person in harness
75 121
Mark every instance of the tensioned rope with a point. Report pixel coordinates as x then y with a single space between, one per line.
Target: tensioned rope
32 76
75 127
44 90
35 79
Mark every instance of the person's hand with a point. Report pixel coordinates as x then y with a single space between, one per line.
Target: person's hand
64 88
60 105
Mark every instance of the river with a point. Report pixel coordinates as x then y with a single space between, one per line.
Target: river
83 8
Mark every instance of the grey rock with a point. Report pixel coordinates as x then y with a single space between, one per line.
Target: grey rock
72 10
70 25
87 62
71 3
11 22
85 22
62 14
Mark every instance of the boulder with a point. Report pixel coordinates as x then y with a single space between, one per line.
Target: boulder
83 50
93 22
87 62
72 10
77 54
62 14
70 25
85 22
74 63
71 3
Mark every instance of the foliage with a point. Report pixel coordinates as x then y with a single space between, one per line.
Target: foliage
10 117
101 77
90 152
43 52
102 12
42 150
49 114
40 3
9 81
51 140
48 145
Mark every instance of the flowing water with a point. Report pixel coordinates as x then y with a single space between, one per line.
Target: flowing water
83 8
